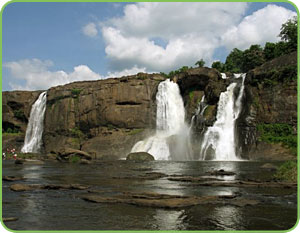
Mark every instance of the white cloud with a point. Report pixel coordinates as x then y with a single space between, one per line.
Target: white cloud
37 76
191 30
262 26
90 30
126 72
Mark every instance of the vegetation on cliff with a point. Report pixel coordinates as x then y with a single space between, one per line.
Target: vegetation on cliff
287 172
278 133
239 61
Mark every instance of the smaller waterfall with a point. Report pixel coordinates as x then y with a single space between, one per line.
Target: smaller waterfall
219 140
170 139
34 131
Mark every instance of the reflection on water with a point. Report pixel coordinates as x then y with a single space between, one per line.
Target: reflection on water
65 210
226 217
169 219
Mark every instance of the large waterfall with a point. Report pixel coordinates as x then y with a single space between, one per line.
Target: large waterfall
34 131
170 141
219 140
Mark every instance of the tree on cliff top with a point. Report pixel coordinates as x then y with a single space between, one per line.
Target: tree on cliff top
200 63
289 33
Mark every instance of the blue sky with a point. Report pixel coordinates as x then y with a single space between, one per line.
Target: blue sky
48 44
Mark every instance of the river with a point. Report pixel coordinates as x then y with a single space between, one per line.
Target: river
65 210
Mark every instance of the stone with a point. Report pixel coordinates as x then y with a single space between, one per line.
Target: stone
85 161
12 178
20 187
67 152
269 166
139 157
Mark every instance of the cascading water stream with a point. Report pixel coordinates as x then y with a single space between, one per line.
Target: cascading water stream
34 131
219 140
171 138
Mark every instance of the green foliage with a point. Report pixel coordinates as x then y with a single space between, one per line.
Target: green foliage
200 63
12 131
252 58
74 159
289 32
278 133
219 66
19 114
78 134
242 61
135 131
287 172
191 95
76 92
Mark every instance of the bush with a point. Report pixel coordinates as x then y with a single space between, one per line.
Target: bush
74 159
19 114
287 172
75 92
278 133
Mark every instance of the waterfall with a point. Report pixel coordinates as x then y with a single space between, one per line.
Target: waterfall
219 140
170 141
34 131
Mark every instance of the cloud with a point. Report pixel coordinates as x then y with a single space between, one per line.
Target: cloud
37 76
90 30
189 30
126 72
262 26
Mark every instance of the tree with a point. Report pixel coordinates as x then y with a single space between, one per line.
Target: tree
234 61
218 66
200 63
252 58
289 33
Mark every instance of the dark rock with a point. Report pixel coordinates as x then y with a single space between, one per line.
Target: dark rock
9 219
269 166
67 152
139 157
19 161
12 178
21 187
146 176
85 161
221 172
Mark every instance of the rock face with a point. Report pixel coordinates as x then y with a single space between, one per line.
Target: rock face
16 107
268 101
139 157
106 118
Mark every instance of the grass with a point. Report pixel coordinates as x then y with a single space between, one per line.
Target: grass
278 133
74 159
135 131
287 172
75 92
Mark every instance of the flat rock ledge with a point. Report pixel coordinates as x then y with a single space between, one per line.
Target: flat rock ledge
156 200
29 187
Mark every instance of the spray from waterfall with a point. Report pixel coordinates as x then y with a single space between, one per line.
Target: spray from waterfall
34 131
219 140
170 141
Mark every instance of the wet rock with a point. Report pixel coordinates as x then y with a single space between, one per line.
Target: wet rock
192 179
12 178
68 152
146 176
85 161
9 219
269 166
21 187
19 161
157 200
221 172
25 187
139 157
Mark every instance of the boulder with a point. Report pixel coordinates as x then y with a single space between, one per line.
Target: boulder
139 157
67 152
